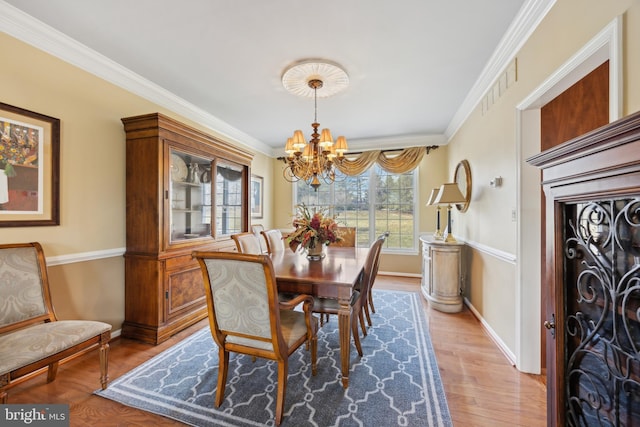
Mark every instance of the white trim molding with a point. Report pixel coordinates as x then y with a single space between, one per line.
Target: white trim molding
511 357
84 256
496 253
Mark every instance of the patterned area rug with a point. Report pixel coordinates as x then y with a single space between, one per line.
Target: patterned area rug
396 382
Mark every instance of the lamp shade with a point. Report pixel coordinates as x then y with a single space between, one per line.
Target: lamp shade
298 140
449 193
341 145
326 140
432 196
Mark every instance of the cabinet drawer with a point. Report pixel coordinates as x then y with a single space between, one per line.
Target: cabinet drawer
184 261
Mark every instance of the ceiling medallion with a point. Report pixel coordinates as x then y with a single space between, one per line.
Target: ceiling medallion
296 78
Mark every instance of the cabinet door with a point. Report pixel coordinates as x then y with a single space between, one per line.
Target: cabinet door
427 282
189 196
600 323
230 198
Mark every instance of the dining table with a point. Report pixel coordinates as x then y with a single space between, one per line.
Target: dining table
333 276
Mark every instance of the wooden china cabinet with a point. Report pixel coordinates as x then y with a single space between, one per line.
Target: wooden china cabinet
185 191
592 281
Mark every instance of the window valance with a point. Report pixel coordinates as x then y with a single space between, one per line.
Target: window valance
407 160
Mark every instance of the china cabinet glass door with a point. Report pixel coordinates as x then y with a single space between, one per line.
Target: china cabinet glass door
229 196
189 196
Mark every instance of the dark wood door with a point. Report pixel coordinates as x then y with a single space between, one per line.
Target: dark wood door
578 110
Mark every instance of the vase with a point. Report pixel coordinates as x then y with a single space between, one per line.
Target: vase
315 253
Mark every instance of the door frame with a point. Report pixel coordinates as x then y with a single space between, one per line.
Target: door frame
606 45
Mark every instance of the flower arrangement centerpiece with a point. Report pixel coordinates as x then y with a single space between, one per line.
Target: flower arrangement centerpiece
312 231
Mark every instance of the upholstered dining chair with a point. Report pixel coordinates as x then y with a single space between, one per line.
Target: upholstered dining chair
247 243
246 317
257 229
348 236
382 237
274 240
360 295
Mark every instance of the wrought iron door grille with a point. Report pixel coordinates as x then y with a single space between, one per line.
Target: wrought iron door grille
602 313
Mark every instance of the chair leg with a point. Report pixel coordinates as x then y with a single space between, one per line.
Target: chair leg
314 355
52 372
356 334
362 325
223 367
366 312
4 382
373 309
104 365
283 371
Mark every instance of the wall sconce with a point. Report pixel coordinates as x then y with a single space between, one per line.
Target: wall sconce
432 197
496 182
447 195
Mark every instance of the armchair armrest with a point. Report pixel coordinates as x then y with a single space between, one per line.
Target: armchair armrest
295 301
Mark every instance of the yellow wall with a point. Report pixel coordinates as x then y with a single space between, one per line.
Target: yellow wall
489 141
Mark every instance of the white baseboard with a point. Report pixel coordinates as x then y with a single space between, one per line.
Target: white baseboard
492 334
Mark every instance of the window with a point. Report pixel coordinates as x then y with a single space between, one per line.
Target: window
374 202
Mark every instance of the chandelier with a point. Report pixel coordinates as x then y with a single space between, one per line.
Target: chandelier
314 161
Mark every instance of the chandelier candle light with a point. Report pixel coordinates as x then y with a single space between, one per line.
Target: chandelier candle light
316 159
447 195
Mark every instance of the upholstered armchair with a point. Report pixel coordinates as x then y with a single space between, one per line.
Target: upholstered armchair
246 317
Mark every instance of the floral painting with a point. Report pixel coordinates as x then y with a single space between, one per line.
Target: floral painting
29 168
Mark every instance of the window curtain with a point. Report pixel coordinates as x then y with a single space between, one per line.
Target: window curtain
229 174
406 161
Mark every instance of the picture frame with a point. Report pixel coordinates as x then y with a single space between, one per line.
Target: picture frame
257 196
29 168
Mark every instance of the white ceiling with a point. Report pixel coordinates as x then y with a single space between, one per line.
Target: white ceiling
416 67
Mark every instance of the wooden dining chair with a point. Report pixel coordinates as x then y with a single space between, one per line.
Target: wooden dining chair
246 317
257 229
247 243
274 240
347 236
382 237
359 298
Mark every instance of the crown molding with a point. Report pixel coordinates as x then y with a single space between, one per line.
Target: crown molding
529 17
26 28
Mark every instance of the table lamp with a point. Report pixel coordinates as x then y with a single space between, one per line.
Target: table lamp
449 194
432 197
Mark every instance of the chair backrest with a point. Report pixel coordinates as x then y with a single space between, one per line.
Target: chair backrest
376 264
370 269
247 243
24 287
242 299
257 229
275 242
348 235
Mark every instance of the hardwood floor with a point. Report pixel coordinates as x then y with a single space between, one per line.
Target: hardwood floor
482 388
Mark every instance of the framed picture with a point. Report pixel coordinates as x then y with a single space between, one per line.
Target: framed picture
257 196
29 168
